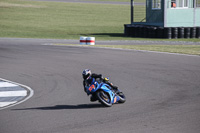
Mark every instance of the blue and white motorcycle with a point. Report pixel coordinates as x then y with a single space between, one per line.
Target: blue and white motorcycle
104 93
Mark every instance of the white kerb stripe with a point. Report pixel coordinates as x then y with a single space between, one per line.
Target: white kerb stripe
3 104
13 93
6 84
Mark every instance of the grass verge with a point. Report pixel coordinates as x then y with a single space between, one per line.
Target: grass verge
35 19
181 49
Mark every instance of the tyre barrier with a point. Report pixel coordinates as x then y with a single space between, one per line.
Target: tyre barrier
152 32
168 33
180 32
174 32
161 32
198 32
193 32
186 32
145 32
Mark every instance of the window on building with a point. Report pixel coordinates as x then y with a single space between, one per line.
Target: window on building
181 3
173 3
197 3
185 3
156 4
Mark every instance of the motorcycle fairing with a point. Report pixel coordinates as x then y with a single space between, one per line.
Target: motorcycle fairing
104 87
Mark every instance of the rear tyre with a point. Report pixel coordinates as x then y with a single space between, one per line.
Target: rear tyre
104 98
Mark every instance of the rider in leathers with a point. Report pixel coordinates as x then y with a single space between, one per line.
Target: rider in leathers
87 80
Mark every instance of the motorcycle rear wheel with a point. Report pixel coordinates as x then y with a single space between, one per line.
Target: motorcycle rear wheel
104 98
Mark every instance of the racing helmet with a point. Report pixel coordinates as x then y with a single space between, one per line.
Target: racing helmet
86 74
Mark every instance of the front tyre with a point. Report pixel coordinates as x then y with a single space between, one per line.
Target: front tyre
104 98
122 97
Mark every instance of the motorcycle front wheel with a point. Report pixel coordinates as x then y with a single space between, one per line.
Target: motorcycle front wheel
104 98
122 97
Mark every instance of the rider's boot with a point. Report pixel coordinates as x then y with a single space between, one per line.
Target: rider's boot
93 99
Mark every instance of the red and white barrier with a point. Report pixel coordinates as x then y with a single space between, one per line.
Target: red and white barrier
90 40
87 40
83 40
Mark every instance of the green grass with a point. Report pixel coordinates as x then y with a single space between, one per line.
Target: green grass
30 19
110 0
34 19
181 49
140 1
139 14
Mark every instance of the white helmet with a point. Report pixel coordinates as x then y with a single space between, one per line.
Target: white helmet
86 74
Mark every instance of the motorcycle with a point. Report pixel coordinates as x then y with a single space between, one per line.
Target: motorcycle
104 93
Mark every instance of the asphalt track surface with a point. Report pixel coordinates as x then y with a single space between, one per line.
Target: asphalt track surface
162 90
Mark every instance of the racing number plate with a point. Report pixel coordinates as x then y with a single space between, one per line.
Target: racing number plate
91 87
